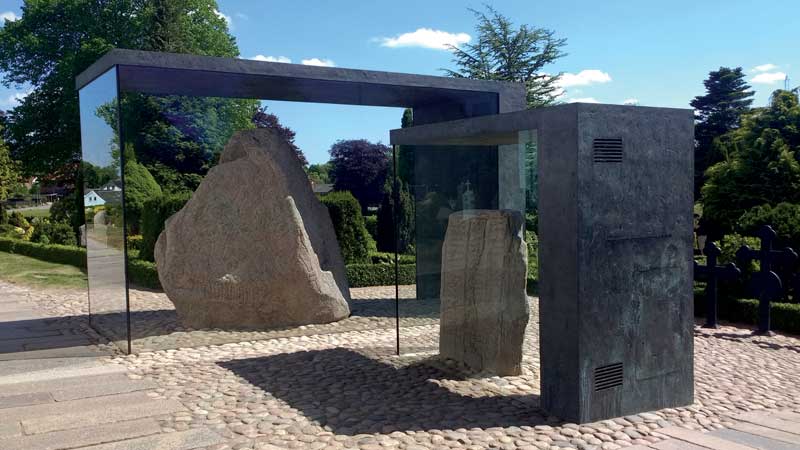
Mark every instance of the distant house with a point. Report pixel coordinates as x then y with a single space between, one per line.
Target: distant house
321 188
99 197
112 186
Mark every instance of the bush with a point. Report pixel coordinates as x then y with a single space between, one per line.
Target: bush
135 242
46 232
348 222
18 220
61 254
784 317
371 222
784 218
532 241
143 274
362 275
140 186
388 258
3 215
68 210
155 213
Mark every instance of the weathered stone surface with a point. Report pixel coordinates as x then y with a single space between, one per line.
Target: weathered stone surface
484 307
253 247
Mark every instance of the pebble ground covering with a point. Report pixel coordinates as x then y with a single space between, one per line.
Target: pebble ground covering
341 386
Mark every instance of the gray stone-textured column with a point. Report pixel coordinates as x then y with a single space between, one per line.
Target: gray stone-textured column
484 307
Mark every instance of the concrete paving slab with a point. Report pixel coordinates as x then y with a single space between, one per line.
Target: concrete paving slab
182 440
787 415
109 414
702 439
25 333
759 418
13 372
97 390
81 437
81 351
31 398
10 429
76 406
675 444
754 440
769 433
65 384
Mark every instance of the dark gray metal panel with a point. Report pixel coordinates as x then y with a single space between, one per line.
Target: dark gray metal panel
170 73
635 255
559 326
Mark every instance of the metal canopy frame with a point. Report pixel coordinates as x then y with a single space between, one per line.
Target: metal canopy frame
434 98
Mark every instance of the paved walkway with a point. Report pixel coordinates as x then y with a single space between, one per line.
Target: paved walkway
58 392
773 430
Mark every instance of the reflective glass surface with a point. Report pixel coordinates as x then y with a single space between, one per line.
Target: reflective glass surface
103 208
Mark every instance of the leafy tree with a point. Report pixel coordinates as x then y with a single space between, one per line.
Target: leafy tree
319 173
360 167
400 213
69 209
9 175
761 166
95 176
718 111
405 153
54 40
784 218
502 52
263 119
140 186
155 213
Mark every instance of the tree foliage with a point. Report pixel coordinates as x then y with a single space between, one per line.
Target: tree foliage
55 40
263 119
502 52
348 223
319 173
398 213
140 186
718 111
360 167
761 165
9 174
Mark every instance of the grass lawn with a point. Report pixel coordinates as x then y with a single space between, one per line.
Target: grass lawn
38 212
33 272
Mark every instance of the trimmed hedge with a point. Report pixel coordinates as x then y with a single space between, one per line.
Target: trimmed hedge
143 274
155 213
784 317
60 254
388 258
362 275
348 223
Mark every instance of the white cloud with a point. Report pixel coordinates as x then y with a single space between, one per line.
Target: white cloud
582 100
224 17
768 78
583 78
764 68
318 62
13 100
631 102
426 38
11 16
280 59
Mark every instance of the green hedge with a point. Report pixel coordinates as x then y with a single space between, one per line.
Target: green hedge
348 223
60 254
156 211
362 275
143 274
784 317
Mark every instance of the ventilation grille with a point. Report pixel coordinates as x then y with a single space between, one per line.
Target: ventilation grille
607 377
607 150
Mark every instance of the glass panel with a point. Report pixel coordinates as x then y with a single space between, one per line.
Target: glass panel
103 196
450 179
228 266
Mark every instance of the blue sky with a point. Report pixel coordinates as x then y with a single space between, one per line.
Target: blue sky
656 53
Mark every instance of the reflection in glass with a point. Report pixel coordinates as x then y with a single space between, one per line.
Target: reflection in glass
103 200
448 179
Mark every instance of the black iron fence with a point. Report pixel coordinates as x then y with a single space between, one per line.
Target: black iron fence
776 277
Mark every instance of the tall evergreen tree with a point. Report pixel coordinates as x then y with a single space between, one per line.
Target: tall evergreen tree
763 166
502 52
718 111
